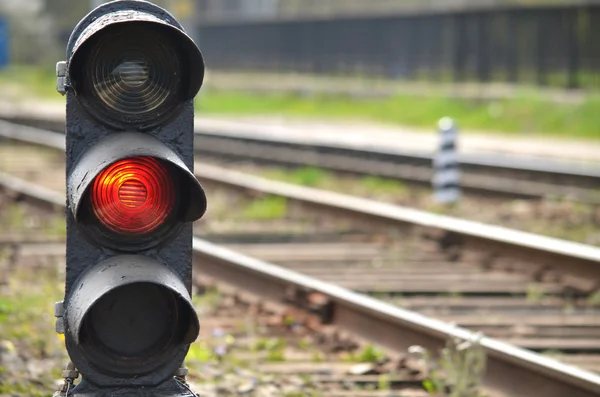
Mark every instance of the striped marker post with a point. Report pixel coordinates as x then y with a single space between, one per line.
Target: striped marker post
446 177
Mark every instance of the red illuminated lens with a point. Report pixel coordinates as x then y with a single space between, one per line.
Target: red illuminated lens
133 196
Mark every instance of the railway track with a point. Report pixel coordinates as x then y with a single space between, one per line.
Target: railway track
245 347
535 292
482 175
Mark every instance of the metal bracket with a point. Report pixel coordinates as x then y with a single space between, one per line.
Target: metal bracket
59 312
61 77
69 374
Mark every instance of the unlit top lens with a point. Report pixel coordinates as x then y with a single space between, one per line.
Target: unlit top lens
133 75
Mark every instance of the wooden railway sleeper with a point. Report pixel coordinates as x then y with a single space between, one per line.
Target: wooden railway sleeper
313 302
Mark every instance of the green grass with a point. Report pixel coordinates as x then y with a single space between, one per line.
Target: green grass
370 186
369 354
28 81
528 115
269 344
266 208
19 220
376 186
304 176
27 330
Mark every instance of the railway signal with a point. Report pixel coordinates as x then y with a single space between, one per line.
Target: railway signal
446 169
130 78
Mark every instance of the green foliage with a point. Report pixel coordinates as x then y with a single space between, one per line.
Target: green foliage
383 382
371 354
274 348
200 351
269 344
376 185
266 208
459 370
309 176
275 355
55 227
594 299
430 386
28 81
317 357
210 298
16 218
527 115
534 293
305 344
305 176
27 329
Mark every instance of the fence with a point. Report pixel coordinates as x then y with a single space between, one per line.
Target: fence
550 45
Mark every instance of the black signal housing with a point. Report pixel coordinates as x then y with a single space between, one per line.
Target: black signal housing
131 75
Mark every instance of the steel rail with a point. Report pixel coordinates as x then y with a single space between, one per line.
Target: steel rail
511 371
272 135
394 166
523 178
578 259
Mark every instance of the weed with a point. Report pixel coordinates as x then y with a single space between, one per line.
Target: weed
317 357
383 382
40 82
459 370
305 344
309 176
370 354
594 299
275 355
200 351
376 185
210 298
27 325
55 227
266 208
288 321
555 354
381 295
15 218
269 344
535 293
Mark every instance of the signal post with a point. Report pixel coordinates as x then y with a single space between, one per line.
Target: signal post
130 78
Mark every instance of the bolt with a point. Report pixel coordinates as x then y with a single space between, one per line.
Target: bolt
70 372
181 372
74 374
61 74
60 325
59 309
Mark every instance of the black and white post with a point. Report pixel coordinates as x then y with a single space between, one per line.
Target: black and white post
446 177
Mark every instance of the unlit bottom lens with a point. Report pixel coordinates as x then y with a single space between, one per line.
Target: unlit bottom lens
134 320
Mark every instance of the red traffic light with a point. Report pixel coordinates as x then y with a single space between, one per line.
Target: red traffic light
133 196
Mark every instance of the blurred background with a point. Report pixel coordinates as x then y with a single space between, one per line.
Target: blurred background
529 67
